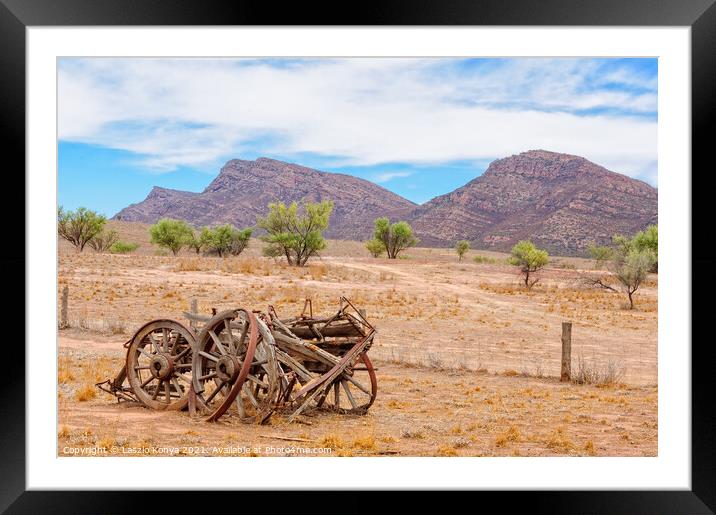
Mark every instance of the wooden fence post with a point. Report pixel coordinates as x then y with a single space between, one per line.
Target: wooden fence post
566 374
63 308
194 310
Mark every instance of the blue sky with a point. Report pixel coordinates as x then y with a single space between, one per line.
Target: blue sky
418 127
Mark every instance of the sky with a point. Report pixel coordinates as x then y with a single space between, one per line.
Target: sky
420 127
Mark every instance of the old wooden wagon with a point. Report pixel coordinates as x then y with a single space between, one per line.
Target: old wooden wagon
251 364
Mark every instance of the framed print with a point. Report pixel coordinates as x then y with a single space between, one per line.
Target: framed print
421 245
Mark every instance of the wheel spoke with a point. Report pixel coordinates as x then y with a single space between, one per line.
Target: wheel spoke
165 340
208 356
250 395
240 406
218 343
178 388
359 385
337 395
258 381
349 394
181 354
156 390
227 324
145 383
167 391
213 394
154 343
145 353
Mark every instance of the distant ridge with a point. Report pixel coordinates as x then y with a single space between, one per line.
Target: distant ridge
560 201
243 189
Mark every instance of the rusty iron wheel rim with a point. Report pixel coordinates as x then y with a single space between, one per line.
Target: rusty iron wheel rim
258 396
159 364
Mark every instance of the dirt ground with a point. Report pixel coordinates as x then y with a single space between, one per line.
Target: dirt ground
468 359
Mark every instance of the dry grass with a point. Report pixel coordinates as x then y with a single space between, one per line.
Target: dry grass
447 450
86 393
589 448
609 373
512 434
332 441
560 442
366 443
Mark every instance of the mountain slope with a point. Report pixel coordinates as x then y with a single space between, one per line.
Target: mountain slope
560 201
243 189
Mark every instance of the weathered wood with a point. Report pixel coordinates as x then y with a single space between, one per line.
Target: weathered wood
308 330
305 349
63 308
329 376
194 311
566 374
288 439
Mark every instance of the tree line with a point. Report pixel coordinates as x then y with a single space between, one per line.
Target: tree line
296 233
626 262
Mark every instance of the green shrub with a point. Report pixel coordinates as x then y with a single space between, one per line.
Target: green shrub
484 260
122 247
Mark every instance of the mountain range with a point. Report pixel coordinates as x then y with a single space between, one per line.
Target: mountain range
561 202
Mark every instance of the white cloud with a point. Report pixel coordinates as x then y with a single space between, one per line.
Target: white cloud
356 111
387 176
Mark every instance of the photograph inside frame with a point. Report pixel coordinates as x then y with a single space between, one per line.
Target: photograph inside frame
357 257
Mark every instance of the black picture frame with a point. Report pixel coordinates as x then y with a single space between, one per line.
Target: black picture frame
700 15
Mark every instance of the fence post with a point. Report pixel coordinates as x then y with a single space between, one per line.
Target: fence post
63 307
566 374
194 310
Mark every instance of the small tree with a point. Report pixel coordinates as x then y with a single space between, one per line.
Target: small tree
240 240
226 239
648 239
529 259
79 227
200 240
296 235
395 237
600 254
171 234
461 248
219 239
103 240
630 266
375 247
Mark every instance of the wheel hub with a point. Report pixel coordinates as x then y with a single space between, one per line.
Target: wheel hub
228 368
162 366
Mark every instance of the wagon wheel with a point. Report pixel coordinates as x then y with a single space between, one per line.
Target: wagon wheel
351 393
159 364
234 367
258 395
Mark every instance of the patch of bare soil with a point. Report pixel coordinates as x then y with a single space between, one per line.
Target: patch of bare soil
418 412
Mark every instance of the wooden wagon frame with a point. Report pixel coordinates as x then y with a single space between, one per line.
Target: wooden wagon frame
251 364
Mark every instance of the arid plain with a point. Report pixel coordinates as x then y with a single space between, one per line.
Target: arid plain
467 359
